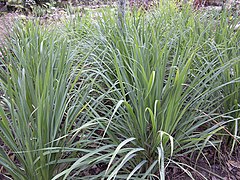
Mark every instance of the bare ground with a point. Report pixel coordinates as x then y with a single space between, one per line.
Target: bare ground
5 25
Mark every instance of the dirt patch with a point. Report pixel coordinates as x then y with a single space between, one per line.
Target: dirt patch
6 22
211 165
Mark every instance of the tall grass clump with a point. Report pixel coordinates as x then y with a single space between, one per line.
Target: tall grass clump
43 113
222 47
226 48
165 95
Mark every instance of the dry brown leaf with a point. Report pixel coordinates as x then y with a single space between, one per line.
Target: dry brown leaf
235 164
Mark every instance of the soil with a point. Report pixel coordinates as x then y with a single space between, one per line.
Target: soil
5 22
212 166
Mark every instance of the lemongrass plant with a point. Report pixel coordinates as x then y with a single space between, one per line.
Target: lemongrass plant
226 48
223 48
159 90
43 113
166 96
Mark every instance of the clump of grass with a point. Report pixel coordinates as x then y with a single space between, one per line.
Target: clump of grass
164 92
43 117
227 49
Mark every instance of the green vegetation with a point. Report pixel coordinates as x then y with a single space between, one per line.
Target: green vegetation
131 98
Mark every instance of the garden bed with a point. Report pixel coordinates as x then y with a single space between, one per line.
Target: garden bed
152 95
